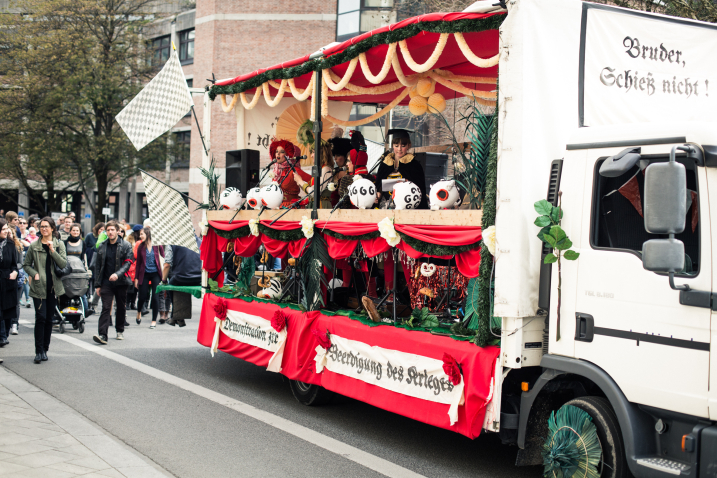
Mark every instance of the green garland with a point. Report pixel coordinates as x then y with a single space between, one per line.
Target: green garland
361 237
484 309
244 231
233 234
436 249
460 26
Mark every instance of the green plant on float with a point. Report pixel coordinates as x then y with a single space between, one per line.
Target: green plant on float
311 265
484 307
479 129
460 26
552 234
212 185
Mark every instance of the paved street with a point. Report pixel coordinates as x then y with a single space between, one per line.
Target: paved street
157 404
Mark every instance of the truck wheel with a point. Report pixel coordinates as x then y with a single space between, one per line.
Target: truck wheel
308 394
614 463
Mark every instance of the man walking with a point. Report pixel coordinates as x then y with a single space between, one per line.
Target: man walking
112 263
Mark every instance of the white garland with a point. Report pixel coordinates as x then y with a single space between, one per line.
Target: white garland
388 232
470 56
422 68
254 100
384 68
226 108
344 81
279 94
307 227
254 227
299 94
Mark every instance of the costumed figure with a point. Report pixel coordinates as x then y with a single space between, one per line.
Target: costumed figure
401 164
340 148
395 165
283 152
357 173
306 181
444 194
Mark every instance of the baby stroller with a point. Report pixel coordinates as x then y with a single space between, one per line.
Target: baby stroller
69 307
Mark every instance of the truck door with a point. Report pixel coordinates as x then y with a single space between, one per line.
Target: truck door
628 320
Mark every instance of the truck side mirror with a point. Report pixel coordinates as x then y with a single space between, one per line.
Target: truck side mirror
665 209
663 255
665 198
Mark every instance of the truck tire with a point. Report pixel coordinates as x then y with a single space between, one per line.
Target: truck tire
614 462
309 394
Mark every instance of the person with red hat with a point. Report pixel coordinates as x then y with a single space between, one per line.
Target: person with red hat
283 152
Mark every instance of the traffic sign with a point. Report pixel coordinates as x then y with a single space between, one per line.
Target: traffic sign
106 211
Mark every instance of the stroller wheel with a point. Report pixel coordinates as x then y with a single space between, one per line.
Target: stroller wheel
62 328
74 326
81 328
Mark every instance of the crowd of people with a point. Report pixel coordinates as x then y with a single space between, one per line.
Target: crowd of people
125 266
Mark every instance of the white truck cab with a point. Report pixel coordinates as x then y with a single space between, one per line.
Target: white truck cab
633 340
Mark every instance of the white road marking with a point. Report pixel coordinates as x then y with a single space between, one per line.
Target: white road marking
349 452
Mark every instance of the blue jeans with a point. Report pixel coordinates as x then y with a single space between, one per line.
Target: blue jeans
83 298
26 291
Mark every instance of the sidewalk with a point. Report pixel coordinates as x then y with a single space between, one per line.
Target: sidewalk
41 437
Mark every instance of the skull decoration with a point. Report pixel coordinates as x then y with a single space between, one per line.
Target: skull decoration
231 199
272 196
253 198
362 193
444 194
406 195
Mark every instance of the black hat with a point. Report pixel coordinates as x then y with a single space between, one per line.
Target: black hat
399 134
340 146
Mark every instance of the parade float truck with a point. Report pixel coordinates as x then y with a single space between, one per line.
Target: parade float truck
581 297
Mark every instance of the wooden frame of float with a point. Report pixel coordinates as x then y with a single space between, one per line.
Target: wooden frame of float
448 217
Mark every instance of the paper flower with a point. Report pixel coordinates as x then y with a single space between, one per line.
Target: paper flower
203 226
452 369
322 337
220 309
278 320
332 187
489 239
307 227
254 227
459 167
271 175
388 232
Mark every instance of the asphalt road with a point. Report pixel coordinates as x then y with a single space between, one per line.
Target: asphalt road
192 433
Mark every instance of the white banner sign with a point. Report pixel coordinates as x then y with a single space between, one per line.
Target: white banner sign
404 373
640 68
252 330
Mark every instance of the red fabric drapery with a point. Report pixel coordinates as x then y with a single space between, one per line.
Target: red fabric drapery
478 364
468 262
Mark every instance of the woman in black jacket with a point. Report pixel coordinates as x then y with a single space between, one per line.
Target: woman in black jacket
9 259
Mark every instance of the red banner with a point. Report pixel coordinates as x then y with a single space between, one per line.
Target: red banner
478 364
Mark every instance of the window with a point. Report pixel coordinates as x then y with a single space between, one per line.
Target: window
186 47
160 51
359 16
181 149
617 218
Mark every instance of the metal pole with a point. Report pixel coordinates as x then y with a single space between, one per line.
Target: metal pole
318 128
180 192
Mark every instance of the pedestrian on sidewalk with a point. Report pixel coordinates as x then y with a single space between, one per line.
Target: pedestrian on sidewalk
9 259
147 273
112 262
40 261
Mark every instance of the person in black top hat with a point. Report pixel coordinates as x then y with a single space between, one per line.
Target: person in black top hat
401 164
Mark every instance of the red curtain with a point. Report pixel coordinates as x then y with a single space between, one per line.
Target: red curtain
468 263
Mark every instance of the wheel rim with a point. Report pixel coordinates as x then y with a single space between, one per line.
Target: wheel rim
303 387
